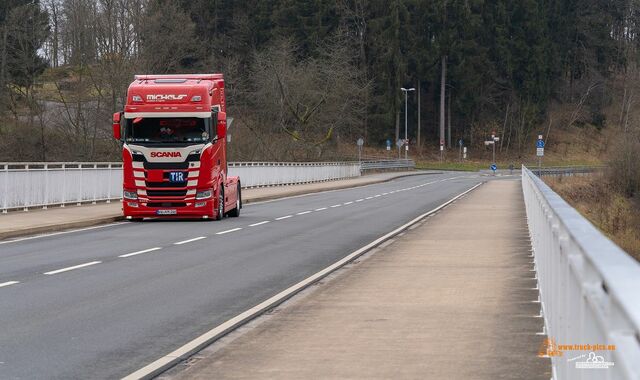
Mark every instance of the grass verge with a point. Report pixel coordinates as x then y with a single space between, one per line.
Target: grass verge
616 215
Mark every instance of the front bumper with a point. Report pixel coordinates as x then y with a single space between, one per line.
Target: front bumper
205 210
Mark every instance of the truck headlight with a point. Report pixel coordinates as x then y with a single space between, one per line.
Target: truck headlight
204 194
129 194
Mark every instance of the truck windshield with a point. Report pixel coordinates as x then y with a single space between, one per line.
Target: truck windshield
168 130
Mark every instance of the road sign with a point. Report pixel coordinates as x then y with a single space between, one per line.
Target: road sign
388 144
540 144
399 143
540 152
494 167
360 141
460 142
489 142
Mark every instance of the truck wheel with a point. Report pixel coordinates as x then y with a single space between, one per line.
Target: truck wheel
219 212
236 211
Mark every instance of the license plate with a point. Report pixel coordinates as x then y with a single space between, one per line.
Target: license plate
176 177
166 212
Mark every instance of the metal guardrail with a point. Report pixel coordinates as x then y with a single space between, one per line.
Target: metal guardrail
566 170
388 164
257 174
33 184
589 287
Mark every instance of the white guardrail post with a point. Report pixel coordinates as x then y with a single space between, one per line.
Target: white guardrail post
589 287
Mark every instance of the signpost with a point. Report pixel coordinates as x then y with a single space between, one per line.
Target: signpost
464 153
360 143
460 144
399 144
493 142
441 149
493 167
388 144
540 153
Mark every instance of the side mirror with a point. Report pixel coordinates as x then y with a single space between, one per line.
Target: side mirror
221 126
116 126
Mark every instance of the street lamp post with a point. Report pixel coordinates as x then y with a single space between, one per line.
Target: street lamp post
406 138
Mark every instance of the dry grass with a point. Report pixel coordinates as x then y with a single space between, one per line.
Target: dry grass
614 214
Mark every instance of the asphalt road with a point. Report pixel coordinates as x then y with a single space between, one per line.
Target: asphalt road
104 302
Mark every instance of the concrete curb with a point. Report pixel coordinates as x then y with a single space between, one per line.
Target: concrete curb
118 217
170 360
339 187
60 227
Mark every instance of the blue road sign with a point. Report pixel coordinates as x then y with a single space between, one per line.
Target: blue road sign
460 142
494 167
540 144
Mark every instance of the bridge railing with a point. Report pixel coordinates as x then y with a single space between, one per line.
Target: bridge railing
387 164
34 184
567 170
589 287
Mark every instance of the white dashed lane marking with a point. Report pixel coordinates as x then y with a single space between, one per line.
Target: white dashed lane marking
334 206
321 209
259 223
347 203
284 217
304 212
72 268
140 252
227 231
8 283
190 240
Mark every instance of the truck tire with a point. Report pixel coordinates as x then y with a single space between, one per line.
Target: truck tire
219 211
236 211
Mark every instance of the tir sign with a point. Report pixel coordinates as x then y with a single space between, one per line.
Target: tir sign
176 177
165 97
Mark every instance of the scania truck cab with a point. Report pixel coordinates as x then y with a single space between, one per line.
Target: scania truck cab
174 148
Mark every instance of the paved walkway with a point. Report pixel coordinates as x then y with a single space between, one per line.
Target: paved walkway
17 223
451 299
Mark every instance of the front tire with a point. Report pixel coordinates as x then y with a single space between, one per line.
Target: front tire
236 211
219 211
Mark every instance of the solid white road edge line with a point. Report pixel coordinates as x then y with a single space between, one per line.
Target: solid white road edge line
259 223
227 231
140 252
72 268
190 240
210 336
8 283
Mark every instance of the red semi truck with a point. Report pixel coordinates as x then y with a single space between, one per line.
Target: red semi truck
173 133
